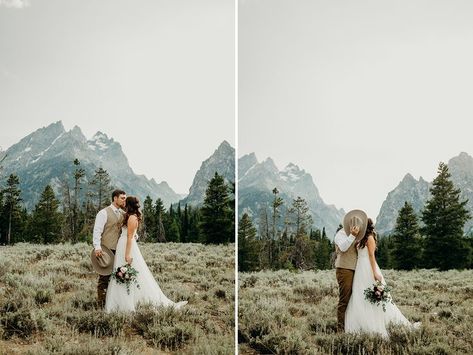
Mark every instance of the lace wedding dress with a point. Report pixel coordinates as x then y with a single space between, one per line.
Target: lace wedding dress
362 316
118 299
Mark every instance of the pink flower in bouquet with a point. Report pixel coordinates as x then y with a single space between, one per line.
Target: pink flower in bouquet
120 274
123 269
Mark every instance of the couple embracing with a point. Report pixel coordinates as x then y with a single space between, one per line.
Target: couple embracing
114 239
356 271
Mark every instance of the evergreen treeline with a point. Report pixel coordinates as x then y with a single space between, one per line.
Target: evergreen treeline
433 240
293 246
211 223
436 239
71 217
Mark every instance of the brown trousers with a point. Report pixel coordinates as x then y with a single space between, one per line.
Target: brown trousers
345 282
102 288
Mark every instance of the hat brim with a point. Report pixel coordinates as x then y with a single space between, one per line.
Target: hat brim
361 215
97 267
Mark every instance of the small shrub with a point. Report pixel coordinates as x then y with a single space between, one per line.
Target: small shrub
23 323
220 294
98 323
43 296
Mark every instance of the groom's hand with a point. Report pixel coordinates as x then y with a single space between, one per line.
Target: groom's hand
355 230
98 253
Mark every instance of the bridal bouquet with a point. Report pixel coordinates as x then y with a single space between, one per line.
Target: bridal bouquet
377 294
126 274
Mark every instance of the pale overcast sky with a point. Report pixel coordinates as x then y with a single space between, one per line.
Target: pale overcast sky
156 75
358 93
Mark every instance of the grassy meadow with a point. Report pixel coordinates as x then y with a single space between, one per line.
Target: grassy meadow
281 312
48 302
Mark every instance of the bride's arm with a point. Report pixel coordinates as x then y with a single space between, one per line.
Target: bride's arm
371 244
131 228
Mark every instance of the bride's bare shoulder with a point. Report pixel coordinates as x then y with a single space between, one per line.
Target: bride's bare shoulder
371 241
133 219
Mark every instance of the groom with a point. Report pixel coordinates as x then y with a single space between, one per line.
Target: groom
354 228
107 228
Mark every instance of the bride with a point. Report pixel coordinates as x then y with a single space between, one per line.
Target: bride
362 316
127 251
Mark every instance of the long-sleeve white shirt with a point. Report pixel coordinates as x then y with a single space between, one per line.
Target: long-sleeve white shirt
100 221
343 241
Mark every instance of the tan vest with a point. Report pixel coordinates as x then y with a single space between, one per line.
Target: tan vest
112 229
346 260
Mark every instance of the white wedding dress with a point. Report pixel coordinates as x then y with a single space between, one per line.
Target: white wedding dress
117 298
362 316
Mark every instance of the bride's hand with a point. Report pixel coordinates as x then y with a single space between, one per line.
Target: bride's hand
128 259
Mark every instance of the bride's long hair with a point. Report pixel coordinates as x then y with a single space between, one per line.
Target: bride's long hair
132 207
369 231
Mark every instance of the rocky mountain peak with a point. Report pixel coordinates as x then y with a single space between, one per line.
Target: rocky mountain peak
245 163
221 161
269 165
463 163
225 146
292 172
76 133
408 179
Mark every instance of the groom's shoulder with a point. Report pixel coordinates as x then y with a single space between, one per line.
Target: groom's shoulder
103 210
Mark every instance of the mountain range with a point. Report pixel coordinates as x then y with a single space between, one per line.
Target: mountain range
256 180
46 157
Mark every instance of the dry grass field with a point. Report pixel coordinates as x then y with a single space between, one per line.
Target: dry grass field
295 313
48 294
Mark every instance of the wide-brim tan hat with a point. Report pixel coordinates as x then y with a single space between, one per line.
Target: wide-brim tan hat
356 218
103 265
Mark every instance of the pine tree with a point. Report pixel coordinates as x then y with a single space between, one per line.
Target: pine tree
273 247
247 245
79 173
160 216
231 206
301 217
185 225
406 252
149 222
303 252
89 214
383 252
444 216
217 217
13 224
46 220
101 188
323 252
173 232
264 235
179 219
195 233
315 234
179 213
